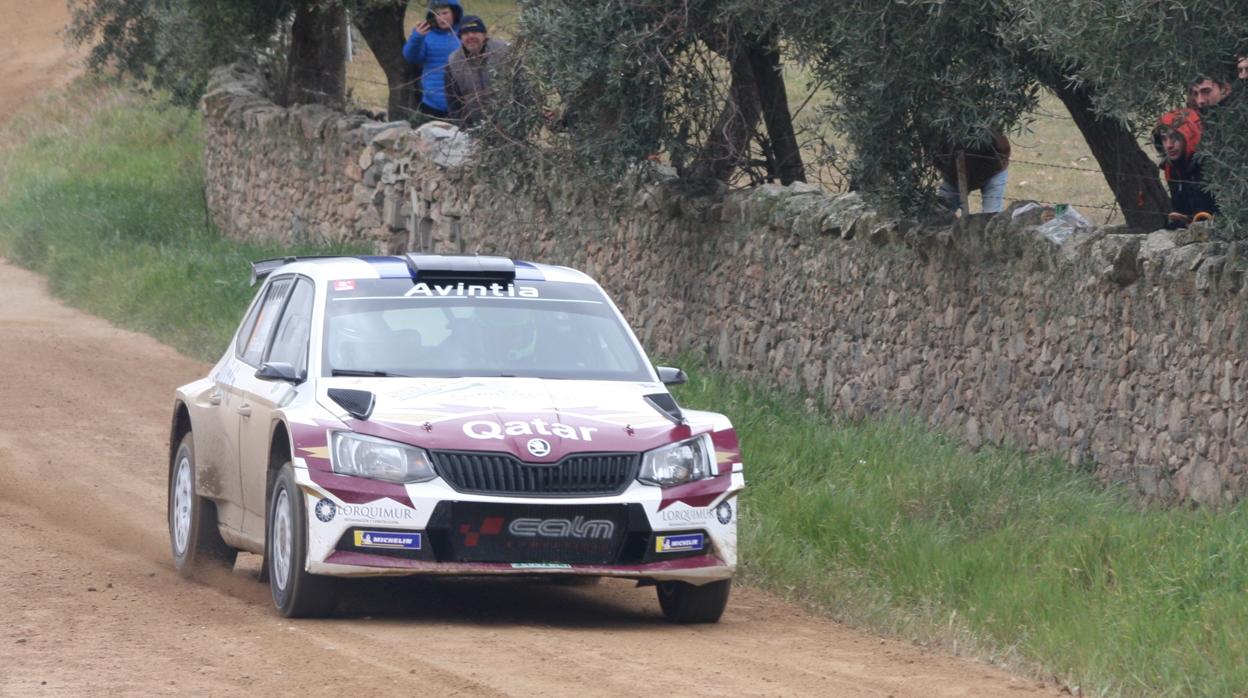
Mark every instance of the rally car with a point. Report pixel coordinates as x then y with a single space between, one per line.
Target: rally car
445 415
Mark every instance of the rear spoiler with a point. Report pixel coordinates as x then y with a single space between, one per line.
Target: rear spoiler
262 268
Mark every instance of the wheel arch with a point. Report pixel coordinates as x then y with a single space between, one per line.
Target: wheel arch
179 426
281 451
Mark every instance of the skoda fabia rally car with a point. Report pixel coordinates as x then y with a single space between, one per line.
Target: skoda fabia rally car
453 416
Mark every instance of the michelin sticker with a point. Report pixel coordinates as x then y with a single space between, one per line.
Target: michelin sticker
387 539
681 543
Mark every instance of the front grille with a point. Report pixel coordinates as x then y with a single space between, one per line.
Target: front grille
500 473
545 533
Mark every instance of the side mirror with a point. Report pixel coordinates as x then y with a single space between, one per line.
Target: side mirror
279 371
672 376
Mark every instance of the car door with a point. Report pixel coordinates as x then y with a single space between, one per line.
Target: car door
288 343
216 426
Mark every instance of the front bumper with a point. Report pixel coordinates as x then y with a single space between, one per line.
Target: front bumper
433 529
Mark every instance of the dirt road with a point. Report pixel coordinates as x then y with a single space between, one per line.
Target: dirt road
89 603
33 58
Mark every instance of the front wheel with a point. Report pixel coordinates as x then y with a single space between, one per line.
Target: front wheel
296 592
683 602
193 536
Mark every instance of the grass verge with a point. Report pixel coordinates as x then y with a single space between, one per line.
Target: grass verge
1000 554
995 554
102 192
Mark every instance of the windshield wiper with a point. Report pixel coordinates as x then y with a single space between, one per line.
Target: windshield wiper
364 372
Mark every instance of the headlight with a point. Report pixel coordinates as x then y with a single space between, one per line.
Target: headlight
683 462
366 456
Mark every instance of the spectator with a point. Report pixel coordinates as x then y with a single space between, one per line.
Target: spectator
987 168
1205 93
1241 67
471 70
1176 137
430 46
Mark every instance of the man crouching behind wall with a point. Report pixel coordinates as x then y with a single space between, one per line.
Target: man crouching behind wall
986 168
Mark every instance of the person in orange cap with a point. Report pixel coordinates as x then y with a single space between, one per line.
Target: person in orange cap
1176 137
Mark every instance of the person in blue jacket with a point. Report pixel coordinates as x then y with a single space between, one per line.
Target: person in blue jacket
430 46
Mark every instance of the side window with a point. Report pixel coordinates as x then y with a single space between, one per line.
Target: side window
249 324
290 344
258 338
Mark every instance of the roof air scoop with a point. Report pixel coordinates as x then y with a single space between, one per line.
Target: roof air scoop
359 403
435 267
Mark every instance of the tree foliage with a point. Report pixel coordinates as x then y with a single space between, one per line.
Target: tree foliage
699 82
907 72
1142 55
908 76
688 81
175 44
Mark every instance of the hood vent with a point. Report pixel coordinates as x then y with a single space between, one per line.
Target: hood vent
359 403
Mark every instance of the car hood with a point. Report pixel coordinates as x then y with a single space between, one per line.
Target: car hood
536 420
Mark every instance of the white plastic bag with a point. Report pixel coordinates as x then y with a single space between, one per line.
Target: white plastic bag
1066 220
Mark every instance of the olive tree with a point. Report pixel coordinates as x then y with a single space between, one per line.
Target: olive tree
1140 56
693 82
907 71
174 44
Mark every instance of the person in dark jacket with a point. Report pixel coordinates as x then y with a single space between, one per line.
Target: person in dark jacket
1177 137
471 71
1206 93
987 169
430 46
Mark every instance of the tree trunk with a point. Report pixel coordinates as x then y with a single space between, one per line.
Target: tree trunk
764 60
728 146
1129 171
383 30
316 71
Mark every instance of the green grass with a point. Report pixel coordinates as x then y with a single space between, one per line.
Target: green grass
996 554
105 198
1005 555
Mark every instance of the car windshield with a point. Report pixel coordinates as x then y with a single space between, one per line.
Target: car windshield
382 327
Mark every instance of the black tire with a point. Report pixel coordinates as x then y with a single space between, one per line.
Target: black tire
296 593
196 543
685 603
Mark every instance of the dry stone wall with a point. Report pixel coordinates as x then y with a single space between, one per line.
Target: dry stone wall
1121 352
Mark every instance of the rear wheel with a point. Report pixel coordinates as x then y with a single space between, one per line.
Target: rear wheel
683 602
193 536
296 592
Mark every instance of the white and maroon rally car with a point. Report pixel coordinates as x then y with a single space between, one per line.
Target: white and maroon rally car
448 415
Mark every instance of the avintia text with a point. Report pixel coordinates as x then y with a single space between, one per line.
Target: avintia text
494 290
